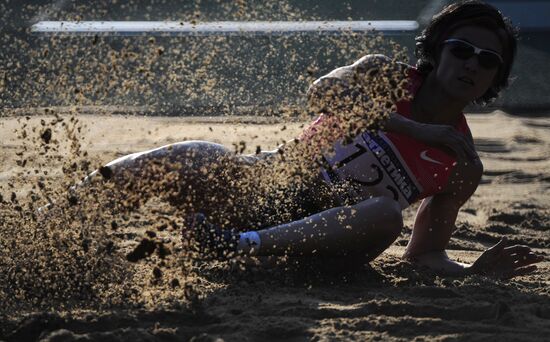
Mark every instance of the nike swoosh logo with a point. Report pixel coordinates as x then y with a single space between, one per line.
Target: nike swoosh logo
424 156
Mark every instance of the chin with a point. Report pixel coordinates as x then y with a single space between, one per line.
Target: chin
464 95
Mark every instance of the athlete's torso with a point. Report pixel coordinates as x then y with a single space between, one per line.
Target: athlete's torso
387 163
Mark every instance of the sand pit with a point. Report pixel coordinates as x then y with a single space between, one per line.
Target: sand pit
107 297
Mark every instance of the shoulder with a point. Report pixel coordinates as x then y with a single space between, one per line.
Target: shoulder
374 63
368 65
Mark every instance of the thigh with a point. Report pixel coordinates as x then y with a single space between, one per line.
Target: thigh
208 177
192 175
181 152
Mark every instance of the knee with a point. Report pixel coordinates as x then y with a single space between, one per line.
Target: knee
391 215
195 151
390 209
385 214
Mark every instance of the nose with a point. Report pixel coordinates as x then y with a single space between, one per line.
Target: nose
472 64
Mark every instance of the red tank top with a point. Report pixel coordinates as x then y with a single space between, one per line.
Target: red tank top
386 163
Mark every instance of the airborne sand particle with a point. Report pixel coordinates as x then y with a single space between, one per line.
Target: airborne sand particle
78 260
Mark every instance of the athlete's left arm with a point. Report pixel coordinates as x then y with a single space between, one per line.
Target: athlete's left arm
435 222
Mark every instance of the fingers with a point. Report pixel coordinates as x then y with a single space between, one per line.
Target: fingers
520 260
528 259
449 136
461 146
493 256
517 249
521 255
471 147
468 146
520 272
458 150
503 261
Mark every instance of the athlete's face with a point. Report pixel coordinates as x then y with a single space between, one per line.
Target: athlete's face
463 75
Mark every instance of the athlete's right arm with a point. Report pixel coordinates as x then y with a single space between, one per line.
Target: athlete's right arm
433 134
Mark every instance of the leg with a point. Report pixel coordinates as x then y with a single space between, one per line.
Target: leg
189 174
367 228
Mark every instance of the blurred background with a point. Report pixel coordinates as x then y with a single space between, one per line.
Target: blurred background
226 74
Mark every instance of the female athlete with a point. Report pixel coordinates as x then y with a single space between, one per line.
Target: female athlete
356 171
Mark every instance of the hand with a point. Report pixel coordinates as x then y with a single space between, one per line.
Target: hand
445 135
502 261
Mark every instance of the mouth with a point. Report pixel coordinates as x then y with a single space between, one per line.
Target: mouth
466 80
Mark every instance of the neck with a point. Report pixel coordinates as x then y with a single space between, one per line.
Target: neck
432 104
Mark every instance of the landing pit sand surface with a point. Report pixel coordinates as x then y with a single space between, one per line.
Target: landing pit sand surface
390 301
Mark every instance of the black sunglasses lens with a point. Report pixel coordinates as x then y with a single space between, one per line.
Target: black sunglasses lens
488 60
462 51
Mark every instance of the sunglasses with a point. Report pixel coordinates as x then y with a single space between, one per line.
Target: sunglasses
463 50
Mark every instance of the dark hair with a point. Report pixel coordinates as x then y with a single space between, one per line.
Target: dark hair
460 14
